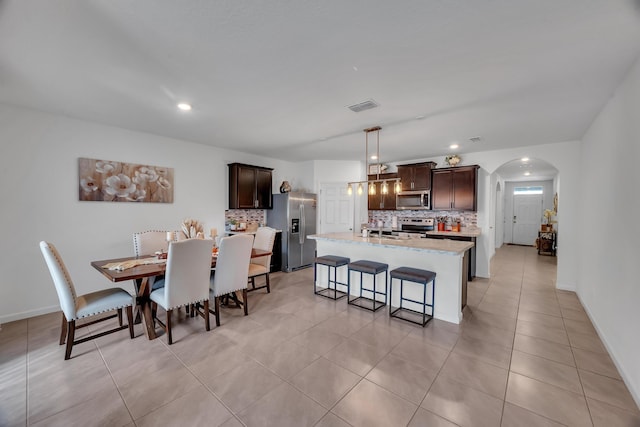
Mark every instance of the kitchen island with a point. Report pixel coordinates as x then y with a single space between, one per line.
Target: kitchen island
447 258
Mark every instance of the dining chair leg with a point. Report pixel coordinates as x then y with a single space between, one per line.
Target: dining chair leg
154 312
71 332
63 331
245 302
253 282
207 324
216 305
130 320
119 317
268 284
169 337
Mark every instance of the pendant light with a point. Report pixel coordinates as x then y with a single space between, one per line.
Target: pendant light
372 183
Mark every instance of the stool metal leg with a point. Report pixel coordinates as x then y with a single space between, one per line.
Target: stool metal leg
329 292
424 306
374 304
401 309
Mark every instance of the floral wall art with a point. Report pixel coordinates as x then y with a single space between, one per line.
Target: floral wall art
109 181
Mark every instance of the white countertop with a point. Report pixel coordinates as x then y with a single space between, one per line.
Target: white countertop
453 247
465 232
245 232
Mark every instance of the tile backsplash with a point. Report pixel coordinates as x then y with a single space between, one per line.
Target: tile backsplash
467 218
250 216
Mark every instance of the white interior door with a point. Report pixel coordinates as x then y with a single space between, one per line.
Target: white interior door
527 214
336 208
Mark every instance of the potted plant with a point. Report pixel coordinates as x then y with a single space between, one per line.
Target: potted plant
548 225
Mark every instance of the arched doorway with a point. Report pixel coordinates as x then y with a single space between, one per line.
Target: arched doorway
525 189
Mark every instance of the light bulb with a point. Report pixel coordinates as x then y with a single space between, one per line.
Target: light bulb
359 189
372 188
385 188
397 187
349 189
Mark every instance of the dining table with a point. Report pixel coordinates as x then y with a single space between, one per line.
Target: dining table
140 269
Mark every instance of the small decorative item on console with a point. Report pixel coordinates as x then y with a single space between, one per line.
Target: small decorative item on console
548 225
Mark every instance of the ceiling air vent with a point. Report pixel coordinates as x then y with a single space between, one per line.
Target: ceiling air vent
475 139
366 105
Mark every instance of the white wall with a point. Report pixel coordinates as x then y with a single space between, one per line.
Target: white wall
499 221
39 172
608 284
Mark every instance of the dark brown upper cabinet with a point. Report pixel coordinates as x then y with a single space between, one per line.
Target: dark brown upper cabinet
381 201
249 187
455 188
416 176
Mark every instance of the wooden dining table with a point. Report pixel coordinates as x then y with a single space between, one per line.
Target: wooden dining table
140 274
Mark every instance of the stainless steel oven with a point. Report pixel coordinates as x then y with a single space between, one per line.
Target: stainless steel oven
413 200
416 225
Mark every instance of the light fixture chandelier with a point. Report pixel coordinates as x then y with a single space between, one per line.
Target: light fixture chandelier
372 184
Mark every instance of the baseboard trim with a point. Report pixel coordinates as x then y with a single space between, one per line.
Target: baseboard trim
26 314
565 287
635 394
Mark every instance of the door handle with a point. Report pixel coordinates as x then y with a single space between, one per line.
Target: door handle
303 224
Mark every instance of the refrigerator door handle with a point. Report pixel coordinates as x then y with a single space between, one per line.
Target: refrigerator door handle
303 225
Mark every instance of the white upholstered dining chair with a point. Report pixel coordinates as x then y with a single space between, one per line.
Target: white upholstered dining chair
148 243
261 266
234 253
186 280
75 307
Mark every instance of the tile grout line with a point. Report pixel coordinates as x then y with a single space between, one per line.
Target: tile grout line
513 342
206 387
114 382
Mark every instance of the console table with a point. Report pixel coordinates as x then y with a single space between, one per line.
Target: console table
547 241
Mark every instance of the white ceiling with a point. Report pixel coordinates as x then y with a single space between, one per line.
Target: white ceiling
539 170
275 77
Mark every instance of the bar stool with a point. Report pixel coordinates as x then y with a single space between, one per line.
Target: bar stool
373 268
415 275
330 261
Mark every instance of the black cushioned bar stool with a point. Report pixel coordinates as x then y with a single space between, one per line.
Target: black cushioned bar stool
330 261
373 268
416 275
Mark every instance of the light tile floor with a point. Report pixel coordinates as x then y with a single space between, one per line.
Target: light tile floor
525 355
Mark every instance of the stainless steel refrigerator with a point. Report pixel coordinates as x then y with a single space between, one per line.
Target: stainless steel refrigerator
295 215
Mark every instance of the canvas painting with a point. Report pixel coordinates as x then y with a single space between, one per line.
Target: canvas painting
110 181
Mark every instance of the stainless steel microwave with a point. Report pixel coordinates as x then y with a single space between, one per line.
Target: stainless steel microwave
413 200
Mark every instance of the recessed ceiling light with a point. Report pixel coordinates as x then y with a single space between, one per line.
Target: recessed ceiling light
527 173
374 157
454 146
525 159
184 106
